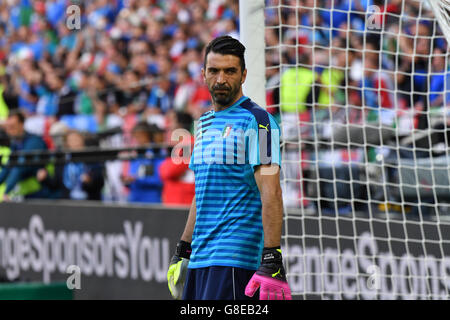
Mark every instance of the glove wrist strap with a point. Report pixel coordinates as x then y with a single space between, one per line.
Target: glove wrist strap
271 255
183 249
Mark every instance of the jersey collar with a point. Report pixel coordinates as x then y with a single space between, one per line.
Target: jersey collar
241 99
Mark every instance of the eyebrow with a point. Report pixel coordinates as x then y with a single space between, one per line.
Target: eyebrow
226 69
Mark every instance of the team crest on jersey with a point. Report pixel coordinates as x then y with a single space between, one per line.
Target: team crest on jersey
226 131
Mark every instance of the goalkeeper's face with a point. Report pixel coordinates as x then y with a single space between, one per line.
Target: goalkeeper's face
224 78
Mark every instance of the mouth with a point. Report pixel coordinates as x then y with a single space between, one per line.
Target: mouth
221 89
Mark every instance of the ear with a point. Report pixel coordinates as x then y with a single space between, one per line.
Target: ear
203 74
244 76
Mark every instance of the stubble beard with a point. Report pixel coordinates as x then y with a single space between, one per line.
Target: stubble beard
224 98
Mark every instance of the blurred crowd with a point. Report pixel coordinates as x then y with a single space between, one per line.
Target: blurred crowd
352 81
101 65
379 58
135 65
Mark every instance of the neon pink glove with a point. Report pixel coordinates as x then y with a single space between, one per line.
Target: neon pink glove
270 278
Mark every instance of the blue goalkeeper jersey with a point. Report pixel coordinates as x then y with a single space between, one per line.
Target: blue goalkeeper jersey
229 145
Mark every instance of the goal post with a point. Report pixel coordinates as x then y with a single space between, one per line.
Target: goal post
361 89
251 32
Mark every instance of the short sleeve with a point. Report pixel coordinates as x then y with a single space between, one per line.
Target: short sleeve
263 140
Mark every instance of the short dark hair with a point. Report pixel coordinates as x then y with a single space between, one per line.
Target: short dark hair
226 45
148 128
142 126
17 113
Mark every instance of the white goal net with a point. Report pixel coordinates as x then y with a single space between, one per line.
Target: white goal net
361 90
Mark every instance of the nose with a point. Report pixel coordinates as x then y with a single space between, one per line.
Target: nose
221 78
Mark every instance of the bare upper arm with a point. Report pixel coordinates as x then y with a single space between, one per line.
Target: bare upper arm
267 177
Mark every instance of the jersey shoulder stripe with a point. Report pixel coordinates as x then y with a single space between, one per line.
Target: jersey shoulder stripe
263 127
261 115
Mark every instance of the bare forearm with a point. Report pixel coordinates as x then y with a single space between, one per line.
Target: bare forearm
190 224
268 180
272 219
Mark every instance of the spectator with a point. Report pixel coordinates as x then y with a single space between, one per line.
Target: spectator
159 100
52 176
132 94
438 79
183 92
3 98
413 66
377 87
4 155
21 180
26 88
298 94
333 79
178 179
9 97
56 98
141 60
142 176
81 181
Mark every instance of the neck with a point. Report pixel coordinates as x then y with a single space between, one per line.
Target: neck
219 107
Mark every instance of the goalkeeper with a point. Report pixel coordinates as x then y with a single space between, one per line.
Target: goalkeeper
230 247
